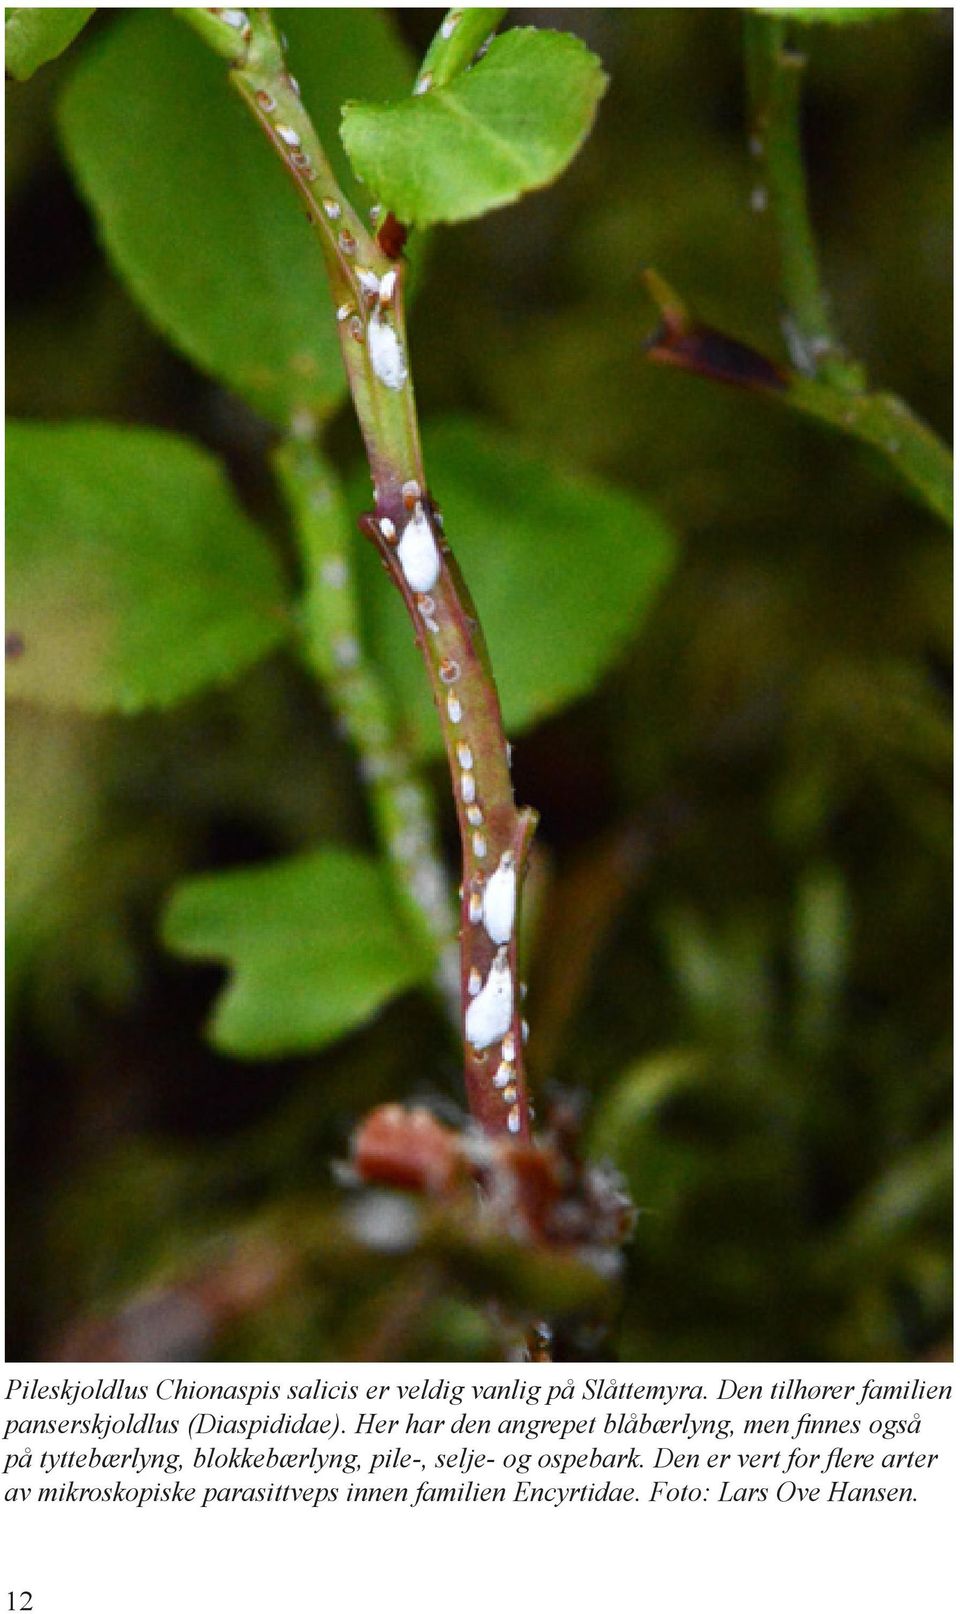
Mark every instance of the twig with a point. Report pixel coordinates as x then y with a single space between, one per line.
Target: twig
329 620
463 32
913 452
826 383
367 290
774 81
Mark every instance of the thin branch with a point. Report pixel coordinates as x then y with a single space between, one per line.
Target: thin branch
824 382
774 82
402 809
463 32
912 451
367 289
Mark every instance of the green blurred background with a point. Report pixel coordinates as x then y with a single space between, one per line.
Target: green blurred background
743 964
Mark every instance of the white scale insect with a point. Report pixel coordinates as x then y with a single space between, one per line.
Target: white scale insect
386 354
418 554
500 900
383 343
489 1015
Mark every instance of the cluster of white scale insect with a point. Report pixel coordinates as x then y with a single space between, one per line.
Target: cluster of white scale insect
490 1011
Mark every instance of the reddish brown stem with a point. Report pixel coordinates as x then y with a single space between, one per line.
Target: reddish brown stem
465 694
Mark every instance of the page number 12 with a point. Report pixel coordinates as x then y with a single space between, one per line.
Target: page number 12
20 1602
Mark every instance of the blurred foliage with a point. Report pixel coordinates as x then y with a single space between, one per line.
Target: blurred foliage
135 578
745 825
32 36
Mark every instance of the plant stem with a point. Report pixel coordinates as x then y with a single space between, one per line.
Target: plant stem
329 619
774 81
463 32
825 383
912 451
367 290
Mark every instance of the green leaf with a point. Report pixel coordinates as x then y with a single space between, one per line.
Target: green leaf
134 578
509 125
33 35
562 568
838 16
312 943
194 208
